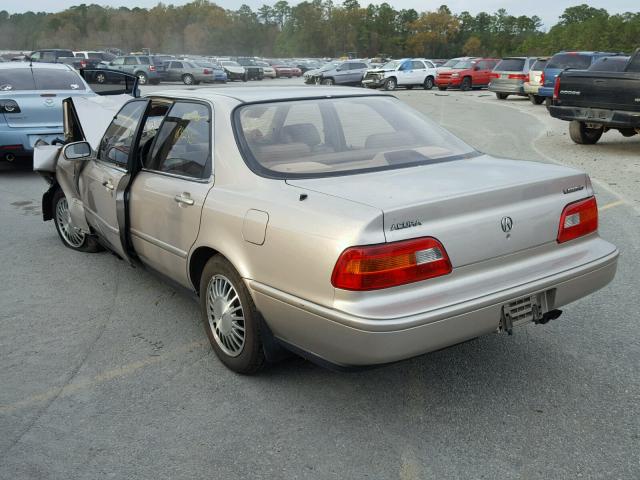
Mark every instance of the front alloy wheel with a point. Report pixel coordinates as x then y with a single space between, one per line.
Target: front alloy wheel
71 237
101 78
390 84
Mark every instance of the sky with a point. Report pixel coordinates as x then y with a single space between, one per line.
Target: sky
548 10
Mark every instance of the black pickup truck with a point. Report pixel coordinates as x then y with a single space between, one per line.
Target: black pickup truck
595 101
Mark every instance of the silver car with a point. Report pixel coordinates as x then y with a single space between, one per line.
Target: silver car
188 72
509 75
339 224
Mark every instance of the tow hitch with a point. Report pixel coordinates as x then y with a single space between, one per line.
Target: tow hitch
533 308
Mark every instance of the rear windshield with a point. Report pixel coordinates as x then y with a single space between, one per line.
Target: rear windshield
539 65
609 64
570 60
39 79
338 136
510 65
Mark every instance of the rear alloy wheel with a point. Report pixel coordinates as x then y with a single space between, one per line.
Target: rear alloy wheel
328 81
230 317
583 135
71 237
187 79
142 78
428 83
466 84
101 78
536 99
502 96
390 84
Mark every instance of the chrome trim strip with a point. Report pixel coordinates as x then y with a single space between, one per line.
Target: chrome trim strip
175 175
158 243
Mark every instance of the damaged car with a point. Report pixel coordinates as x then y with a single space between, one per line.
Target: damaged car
339 224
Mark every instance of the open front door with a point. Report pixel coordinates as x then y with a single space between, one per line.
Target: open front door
104 181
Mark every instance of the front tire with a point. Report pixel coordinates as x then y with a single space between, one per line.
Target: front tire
230 317
70 236
328 81
583 135
390 84
466 84
101 78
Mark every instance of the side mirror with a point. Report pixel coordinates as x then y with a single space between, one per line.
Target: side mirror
76 151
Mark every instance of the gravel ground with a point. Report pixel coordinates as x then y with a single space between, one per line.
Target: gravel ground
105 371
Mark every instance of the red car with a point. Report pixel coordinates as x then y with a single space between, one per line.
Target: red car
282 70
467 74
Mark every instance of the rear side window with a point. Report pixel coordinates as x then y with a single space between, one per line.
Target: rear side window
183 143
609 64
144 60
130 61
417 65
634 65
16 79
511 65
54 79
539 65
570 60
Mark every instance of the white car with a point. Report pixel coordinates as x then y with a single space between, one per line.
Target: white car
269 71
406 72
234 70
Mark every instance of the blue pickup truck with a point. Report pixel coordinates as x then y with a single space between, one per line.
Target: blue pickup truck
563 60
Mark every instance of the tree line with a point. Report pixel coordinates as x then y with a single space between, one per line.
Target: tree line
317 28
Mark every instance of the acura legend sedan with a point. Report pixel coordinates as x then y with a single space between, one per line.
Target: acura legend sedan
339 224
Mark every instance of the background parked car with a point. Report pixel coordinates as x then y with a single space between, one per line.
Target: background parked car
145 67
509 75
310 76
50 55
532 86
467 74
561 61
188 73
450 63
282 70
219 75
93 58
610 64
346 73
31 104
267 70
234 70
254 71
407 72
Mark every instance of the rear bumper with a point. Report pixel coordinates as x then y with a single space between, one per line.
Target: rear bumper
346 339
18 141
531 89
609 118
546 92
505 87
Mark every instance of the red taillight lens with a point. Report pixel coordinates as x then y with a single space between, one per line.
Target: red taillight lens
494 75
152 68
83 64
542 78
578 219
207 71
556 88
372 267
518 76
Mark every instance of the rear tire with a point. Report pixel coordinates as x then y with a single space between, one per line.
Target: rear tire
583 135
466 84
101 78
224 299
142 78
71 238
536 99
428 83
188 79
502 96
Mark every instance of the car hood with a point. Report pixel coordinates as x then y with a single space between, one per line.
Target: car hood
95 113
235 69
379 70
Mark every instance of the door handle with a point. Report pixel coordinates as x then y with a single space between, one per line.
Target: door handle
108 185
184 198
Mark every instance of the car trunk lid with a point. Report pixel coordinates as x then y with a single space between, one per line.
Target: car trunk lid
38 109
466 204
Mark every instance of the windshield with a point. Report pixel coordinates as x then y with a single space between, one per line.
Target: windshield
230 64
539 65
392 65
338 136
451 63
328 66
569 60
462 65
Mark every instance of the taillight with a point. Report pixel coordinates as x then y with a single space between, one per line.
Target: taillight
578 219
207 71
9 106
542 78
83 64
372 267
152 68
518 76
556 88
494 75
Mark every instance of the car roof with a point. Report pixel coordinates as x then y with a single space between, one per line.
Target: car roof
37 65
261 94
